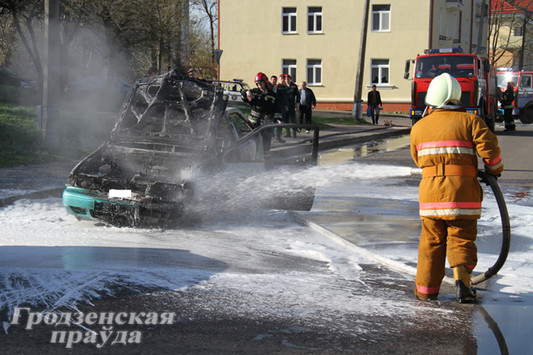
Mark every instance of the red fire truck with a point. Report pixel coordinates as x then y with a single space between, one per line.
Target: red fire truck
523 88
475 74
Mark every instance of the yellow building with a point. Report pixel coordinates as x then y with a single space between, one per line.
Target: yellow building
319 42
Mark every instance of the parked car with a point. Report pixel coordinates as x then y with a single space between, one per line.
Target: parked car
9 78
17 90
170 131
232 89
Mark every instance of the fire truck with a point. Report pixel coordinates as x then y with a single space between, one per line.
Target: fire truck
523 88
475 74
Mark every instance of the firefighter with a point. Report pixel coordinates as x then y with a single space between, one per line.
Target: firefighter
262 101
444 144
507 105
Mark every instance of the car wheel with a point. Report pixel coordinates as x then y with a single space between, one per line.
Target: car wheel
527 113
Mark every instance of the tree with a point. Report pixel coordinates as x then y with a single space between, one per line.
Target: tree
201 56
23 14
507 17
208 13
151 28
7 38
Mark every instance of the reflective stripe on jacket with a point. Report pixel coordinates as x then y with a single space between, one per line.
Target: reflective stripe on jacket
444 144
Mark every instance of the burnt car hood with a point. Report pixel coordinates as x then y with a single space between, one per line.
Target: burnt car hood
165 130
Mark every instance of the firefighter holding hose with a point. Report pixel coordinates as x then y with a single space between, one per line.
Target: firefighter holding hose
444 144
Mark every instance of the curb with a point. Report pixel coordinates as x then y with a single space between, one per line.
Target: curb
359 137
55 192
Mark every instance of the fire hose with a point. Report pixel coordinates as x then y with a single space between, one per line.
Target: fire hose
490 180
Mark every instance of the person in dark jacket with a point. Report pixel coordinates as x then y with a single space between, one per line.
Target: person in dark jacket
374 102
307 104
507 105
293 97
262 101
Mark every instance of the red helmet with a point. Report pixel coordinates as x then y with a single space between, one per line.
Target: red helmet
261 76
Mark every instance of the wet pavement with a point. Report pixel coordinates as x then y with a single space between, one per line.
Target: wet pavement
386 223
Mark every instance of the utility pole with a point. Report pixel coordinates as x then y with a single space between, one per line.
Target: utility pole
50 102
357 105
483 14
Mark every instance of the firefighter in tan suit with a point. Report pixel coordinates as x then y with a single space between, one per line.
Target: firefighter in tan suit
444 144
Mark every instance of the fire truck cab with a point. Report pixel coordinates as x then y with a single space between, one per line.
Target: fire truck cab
523 90
475 74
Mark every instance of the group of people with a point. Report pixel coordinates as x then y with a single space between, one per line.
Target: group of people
277 102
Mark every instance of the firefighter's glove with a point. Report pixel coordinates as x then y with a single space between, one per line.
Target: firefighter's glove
486 181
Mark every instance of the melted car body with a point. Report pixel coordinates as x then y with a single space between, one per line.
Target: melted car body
170 130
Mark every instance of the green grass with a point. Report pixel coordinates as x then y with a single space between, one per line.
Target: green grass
20 141
75 134
325 123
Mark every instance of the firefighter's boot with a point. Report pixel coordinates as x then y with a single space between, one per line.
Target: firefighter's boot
465 294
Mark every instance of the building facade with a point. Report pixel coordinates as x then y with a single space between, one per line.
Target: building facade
319 42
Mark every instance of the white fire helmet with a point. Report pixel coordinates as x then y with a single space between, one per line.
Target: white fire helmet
442 89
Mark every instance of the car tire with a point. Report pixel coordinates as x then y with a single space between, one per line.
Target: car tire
526 115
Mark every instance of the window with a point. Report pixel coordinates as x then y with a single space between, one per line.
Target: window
314 71
517 31
288 66
525 82
314 19
380 71
380 18
455 28
442 19
288 20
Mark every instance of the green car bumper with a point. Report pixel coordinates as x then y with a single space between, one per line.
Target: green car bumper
88 204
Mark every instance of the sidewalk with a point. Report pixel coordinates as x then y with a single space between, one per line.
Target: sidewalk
342 135
34 181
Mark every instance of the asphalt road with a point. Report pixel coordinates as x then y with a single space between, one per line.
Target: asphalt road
208 330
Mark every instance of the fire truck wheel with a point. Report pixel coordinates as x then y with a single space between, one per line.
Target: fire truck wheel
527 113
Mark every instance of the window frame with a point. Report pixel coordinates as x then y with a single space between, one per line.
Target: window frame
528 79
316 17
380 68
314 68
380 14
518 31
289 68
291 20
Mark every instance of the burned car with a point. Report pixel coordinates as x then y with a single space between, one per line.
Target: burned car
172 132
